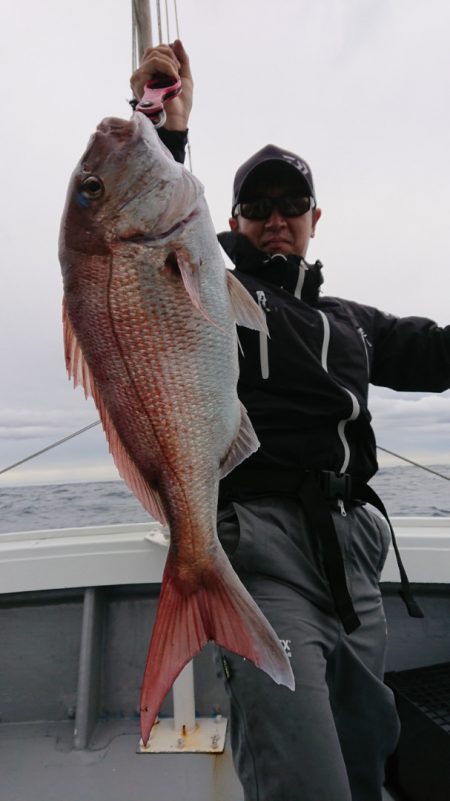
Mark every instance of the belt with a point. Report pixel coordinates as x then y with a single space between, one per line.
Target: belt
317 490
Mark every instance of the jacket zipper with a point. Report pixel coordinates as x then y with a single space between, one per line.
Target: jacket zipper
263 345
355 405
363 336
262 303
300 281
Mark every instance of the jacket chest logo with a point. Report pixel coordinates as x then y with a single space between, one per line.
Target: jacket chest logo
262 300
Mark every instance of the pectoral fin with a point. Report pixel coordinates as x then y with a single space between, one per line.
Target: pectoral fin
246 310
189 271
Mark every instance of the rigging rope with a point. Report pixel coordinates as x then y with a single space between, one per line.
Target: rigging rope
177 27
141 26
134 58
167 20
49 447
416 464
158 12
97 422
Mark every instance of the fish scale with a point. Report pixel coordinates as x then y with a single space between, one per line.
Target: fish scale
150 318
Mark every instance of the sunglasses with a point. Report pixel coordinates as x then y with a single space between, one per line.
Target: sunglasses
262 207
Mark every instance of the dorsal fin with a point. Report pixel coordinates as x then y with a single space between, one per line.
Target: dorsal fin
81 374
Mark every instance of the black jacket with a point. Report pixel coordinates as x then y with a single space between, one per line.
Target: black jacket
305 388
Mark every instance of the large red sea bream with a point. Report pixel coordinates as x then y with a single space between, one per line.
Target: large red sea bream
149 329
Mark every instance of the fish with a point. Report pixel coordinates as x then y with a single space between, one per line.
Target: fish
149 319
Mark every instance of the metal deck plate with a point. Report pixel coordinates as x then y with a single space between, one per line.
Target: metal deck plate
207 737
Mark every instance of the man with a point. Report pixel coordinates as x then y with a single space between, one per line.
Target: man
290 516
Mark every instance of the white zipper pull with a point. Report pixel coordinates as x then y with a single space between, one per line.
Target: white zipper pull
342 507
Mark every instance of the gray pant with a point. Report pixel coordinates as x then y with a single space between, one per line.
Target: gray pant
327 741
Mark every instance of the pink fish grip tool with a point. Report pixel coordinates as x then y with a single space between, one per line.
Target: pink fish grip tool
157 92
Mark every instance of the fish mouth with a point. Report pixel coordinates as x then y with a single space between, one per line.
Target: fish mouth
140 238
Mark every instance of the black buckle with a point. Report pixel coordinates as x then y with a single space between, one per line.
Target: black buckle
335 485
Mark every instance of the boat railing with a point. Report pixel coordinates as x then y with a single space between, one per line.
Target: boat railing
135 554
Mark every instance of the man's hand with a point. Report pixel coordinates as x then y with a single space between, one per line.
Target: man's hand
173 61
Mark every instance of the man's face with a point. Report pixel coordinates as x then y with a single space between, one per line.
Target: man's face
277 234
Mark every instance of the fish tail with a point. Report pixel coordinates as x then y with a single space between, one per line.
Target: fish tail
218 609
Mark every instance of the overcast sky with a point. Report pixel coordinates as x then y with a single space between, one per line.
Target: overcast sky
360 88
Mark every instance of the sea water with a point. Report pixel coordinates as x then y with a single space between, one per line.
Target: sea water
405 491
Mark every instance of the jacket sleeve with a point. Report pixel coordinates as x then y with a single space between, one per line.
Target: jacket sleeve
175 141
408 353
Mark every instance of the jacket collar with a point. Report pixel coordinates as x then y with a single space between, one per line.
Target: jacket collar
283 271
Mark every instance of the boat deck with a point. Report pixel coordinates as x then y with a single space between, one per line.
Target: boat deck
75 620
38 763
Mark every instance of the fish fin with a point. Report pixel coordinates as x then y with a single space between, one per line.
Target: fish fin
246 310
147 495
80 372
76 364
243 446
189 271
219 609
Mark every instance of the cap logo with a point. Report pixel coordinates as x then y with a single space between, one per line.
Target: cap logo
296 162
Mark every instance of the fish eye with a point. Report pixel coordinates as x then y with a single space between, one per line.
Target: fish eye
92 187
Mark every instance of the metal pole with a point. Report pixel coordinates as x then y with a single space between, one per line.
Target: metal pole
142 22
184 700
89 671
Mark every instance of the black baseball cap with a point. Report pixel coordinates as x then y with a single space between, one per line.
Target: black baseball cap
271 154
